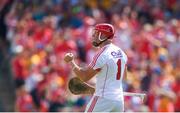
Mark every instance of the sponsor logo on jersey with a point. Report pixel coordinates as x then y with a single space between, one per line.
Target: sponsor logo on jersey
116 54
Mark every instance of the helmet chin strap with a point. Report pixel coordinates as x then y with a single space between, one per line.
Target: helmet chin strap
101 41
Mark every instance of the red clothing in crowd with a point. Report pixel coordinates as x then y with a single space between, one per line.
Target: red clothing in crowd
24 103
19 69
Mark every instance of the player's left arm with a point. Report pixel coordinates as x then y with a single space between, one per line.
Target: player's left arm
125 70
125 74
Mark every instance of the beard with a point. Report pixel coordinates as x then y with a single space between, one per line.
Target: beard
95 44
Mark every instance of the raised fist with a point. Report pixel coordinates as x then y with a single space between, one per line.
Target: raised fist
68 57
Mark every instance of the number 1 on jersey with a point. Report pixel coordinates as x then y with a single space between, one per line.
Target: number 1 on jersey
118 76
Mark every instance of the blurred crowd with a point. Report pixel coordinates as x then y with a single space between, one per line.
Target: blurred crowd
42 31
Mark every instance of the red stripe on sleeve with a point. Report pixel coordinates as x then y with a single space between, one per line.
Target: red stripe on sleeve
92 64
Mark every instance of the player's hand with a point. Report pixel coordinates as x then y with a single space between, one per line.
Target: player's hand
68 57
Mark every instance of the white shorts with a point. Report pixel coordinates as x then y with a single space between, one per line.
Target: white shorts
100 104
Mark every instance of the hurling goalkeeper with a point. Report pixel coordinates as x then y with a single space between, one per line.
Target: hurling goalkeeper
109 66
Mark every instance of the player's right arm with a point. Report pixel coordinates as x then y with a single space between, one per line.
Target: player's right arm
86 73
83 73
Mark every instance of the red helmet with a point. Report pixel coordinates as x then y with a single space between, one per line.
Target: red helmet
106 29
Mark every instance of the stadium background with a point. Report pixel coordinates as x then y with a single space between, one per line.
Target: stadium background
35 34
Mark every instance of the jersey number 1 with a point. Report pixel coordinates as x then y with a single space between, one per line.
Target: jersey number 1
118 76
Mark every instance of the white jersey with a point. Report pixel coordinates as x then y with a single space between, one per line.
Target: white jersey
110 61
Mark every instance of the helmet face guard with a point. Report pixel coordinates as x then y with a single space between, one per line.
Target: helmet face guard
105 29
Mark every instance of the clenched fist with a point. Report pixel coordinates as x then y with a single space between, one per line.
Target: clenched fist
68 57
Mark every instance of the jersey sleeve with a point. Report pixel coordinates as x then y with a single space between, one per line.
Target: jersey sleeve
99 60
126 59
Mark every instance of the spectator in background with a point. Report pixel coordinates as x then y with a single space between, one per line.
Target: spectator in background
24 101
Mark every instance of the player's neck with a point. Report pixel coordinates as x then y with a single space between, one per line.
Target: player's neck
105 43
